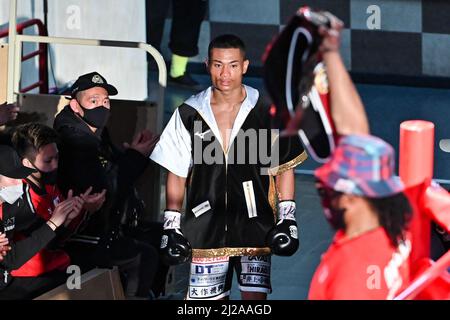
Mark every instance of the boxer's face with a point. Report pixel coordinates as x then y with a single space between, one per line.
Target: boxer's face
227 67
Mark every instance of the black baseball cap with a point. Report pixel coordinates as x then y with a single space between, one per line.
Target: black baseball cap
91 80
10 164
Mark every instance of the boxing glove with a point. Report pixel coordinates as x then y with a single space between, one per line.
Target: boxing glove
283 238
175 248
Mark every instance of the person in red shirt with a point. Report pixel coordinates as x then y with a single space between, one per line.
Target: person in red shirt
364 201
16 217
36 145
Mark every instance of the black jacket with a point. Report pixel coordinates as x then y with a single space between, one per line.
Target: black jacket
90 159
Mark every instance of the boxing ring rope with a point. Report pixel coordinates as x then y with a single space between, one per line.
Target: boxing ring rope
437 269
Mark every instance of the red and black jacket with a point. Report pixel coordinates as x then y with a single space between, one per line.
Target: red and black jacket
42 202
19 217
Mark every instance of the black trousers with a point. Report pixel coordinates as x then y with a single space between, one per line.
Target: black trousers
148 237
187 16
27 288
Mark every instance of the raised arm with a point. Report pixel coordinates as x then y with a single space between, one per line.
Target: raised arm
347 109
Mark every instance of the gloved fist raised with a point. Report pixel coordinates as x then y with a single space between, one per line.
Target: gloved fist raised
283 238
175 248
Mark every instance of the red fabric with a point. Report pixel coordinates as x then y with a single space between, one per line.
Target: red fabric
419 226
439 289
45 204
436 202
42 262
45 260
361 268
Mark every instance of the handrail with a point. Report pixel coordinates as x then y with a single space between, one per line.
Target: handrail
41 52
12 47
23 25
162 74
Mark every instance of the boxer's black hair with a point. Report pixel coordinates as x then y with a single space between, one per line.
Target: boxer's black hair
227 41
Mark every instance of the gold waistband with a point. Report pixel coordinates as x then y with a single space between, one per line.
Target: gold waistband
229 252
288 165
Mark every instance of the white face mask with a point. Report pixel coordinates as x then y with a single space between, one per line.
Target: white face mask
11 194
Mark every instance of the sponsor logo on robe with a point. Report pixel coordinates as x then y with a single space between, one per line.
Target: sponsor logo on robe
248 146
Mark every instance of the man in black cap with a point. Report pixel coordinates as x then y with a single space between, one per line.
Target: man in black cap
17 217
86 146
89 158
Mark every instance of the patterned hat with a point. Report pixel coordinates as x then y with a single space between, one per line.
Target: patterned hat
362 165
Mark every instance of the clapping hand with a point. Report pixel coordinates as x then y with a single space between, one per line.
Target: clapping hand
8 112
66 210
93 202
144 142
4 248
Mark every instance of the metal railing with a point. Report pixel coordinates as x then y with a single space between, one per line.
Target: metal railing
14 64
41 52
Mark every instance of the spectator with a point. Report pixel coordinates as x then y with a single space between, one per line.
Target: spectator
89 158
36 145
364 202
26 232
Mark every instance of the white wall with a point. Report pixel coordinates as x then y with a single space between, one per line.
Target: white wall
99 19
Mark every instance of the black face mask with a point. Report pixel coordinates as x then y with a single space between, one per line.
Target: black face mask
97 117
334 215
48 178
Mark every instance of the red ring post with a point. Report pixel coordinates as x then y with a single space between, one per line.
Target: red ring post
416 171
